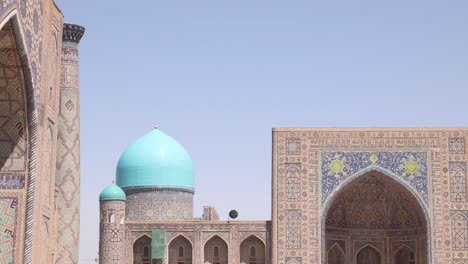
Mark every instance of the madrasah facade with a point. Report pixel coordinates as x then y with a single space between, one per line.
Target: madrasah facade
339 196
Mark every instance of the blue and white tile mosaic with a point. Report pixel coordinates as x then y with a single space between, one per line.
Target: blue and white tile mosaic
410 166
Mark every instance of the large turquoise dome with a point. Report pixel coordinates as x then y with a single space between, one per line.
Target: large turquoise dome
155 160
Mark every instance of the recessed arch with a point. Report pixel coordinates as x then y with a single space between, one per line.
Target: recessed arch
180 250
368 254
335 254
385 202
259 250
404 255
20 120
213 256
142 250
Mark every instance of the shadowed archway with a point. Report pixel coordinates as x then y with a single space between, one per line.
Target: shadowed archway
370 217
180 251
142 250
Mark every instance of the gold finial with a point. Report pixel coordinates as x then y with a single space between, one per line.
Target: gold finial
155 125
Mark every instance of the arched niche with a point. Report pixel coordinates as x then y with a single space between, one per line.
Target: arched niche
335 254
368 255
252 251
142 250
405 255
180 251
216 251
18 127
374 208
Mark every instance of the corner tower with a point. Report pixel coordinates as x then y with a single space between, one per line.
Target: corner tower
156 173
67 177
112 240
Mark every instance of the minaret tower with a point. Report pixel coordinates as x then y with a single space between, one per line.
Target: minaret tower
112 240
68 150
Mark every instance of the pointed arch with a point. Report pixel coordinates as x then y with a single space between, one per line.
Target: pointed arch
335 255
259 250
180 250
459 232
142 250
293 183
403 207
368 254
18 120
216 250
404 255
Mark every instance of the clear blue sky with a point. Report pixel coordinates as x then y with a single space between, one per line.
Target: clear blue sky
218 75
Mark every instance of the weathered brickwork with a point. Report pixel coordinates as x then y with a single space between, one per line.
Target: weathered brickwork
428 166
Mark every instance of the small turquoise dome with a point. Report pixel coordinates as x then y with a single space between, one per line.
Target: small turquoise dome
155 159
112 192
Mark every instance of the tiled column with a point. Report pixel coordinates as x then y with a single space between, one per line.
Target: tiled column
68 150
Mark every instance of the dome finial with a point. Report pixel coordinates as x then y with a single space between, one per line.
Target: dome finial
155 125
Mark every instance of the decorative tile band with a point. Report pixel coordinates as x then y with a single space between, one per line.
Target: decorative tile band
411 167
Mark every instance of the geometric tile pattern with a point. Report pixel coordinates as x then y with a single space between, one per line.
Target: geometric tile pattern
13 145
459 232
457 145
164 205
67 176
425 175
293 146
8 216
457 172
293 229
411 167
293 184
372 203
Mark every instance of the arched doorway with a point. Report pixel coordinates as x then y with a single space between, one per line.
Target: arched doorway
142 250
370 218
180 251
216 251
252 251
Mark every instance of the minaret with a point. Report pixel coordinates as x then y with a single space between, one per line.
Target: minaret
67 175
112 241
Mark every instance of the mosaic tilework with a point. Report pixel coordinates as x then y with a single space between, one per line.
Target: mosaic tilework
457 172
433 142
67 176
293 260
293 146
460 231
293 183
13 126
159 206
457 145
409 166
293 229
371 203
8 215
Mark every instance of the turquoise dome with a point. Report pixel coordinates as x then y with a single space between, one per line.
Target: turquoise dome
155 159
112 192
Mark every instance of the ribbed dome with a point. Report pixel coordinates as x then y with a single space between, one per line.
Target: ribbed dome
112 192
155 159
